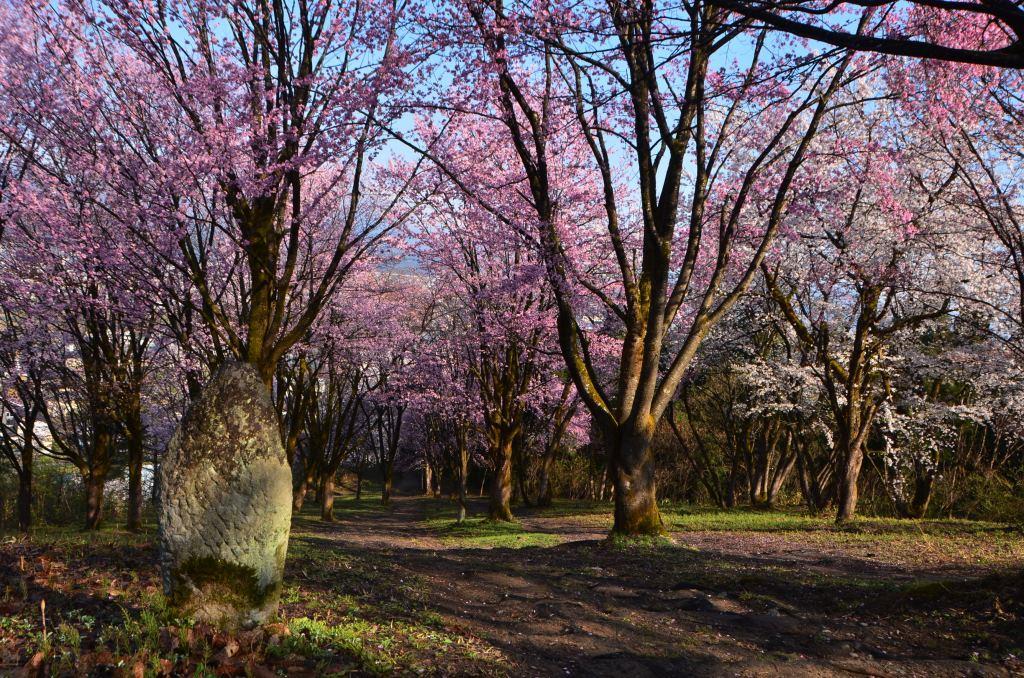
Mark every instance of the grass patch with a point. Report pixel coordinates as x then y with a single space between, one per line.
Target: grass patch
575 507
640 542
690 519
355 644
894 540
483 533
345 507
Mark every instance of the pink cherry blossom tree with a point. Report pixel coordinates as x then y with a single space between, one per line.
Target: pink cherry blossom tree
980 33
711 152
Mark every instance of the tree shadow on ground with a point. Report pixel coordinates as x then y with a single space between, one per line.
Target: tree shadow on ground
592 607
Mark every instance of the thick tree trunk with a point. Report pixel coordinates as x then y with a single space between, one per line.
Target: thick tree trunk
327 498
94 477
922 495
428 480
778 478
299 496
852 458
918 504
501 484
94 482
359 485
632 466
225 504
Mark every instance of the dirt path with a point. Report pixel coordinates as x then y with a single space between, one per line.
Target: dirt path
716 604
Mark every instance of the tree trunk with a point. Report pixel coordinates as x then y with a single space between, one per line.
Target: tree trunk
94 482
136 458
25 496
544 486
299 496
632 466
734 474
385 490
428 479
135 493
327 498
25 485
778 479
520 476
463 473
918 504
852 458
501 484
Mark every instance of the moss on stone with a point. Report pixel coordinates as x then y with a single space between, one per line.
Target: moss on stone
208 582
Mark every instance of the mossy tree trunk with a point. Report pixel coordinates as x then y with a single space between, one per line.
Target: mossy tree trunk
500 507
849 473
855 420
631 462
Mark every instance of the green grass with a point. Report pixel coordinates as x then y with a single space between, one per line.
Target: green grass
483 533
917 542
575 507
685 518
752 520
644 542
370 647
69 535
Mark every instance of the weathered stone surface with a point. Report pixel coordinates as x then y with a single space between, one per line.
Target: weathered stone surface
225 504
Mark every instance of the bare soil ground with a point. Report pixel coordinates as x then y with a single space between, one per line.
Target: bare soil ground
400 590
748 603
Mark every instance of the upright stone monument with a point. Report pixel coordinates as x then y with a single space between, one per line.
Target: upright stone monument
225 504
